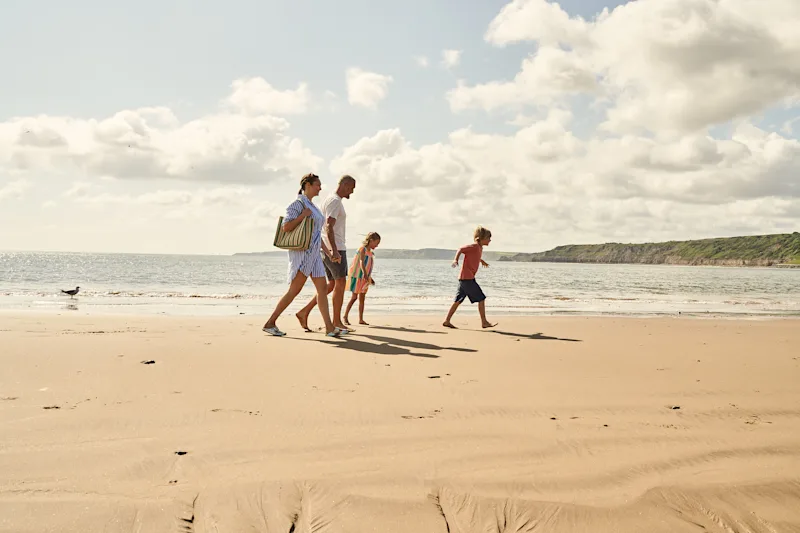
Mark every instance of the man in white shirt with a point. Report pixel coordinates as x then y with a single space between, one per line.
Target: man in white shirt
334 236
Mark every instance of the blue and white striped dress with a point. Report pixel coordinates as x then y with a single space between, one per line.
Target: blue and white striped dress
309 262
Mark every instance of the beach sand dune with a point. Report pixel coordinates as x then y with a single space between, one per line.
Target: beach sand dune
138 424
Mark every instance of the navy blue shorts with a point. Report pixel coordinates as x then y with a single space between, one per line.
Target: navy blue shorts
469 288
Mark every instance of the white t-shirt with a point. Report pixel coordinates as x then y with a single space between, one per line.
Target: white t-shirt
332 208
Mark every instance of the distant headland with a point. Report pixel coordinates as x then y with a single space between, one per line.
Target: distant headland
781 250
757 250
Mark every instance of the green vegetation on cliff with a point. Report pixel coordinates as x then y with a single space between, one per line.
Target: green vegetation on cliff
758 250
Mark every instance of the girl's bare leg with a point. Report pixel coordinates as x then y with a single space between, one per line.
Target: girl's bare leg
322 301
349 307
294 289
362 298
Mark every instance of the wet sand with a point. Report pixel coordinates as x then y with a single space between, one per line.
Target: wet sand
545 424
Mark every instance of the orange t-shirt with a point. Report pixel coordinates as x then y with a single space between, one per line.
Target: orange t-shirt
472 260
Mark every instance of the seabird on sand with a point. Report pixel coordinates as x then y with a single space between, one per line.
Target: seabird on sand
72 292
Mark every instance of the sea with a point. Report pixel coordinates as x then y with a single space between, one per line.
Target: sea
197 285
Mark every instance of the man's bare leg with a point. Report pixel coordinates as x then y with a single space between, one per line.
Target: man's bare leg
338 301
302 315
450 314
482 310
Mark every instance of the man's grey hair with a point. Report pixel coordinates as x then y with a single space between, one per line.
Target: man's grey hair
347 178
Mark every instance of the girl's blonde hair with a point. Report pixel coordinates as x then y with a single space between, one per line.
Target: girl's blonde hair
371 236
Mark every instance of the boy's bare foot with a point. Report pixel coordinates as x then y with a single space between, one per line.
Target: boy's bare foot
346 321
303 319
362 323
488 325
448 325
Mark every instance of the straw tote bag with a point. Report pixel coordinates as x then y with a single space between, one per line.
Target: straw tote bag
299 239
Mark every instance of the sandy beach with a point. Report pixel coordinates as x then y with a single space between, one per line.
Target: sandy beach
547 424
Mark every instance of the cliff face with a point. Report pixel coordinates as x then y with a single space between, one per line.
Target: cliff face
760 250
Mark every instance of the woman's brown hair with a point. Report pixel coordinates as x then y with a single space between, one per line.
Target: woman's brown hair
308 179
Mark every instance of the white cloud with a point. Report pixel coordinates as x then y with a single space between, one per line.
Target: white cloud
255 96
610 139
224 196
49 204
242 144
422 61
562 189
451 58
366 89
14 189
661 65
79 189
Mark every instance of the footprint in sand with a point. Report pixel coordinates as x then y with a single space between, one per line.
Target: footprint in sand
411 417
243 411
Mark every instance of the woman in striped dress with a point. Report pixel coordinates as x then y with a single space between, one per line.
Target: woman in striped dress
305 263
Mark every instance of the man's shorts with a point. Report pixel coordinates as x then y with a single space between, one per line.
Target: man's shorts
469 288
333 270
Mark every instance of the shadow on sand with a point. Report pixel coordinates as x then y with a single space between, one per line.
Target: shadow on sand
414 344
407 330
388 346
534 336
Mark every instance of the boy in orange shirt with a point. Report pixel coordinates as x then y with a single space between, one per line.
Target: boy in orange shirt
467 286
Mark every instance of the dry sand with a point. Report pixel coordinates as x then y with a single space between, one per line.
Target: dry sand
547 424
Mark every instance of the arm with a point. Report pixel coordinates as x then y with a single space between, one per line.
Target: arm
458 255
484 263
332 239
325 249
295 214
332 210
362 256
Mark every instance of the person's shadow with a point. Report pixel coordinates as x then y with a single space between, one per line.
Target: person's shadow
534 336
390 346
380 349
414 344
406 330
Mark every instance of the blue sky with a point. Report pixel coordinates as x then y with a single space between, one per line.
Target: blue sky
609 130
92 58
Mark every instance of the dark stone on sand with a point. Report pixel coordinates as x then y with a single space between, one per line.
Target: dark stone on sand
553 418
150 362
51 407
179 452
434 377
675 407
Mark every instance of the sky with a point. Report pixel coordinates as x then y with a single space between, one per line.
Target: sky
184 126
